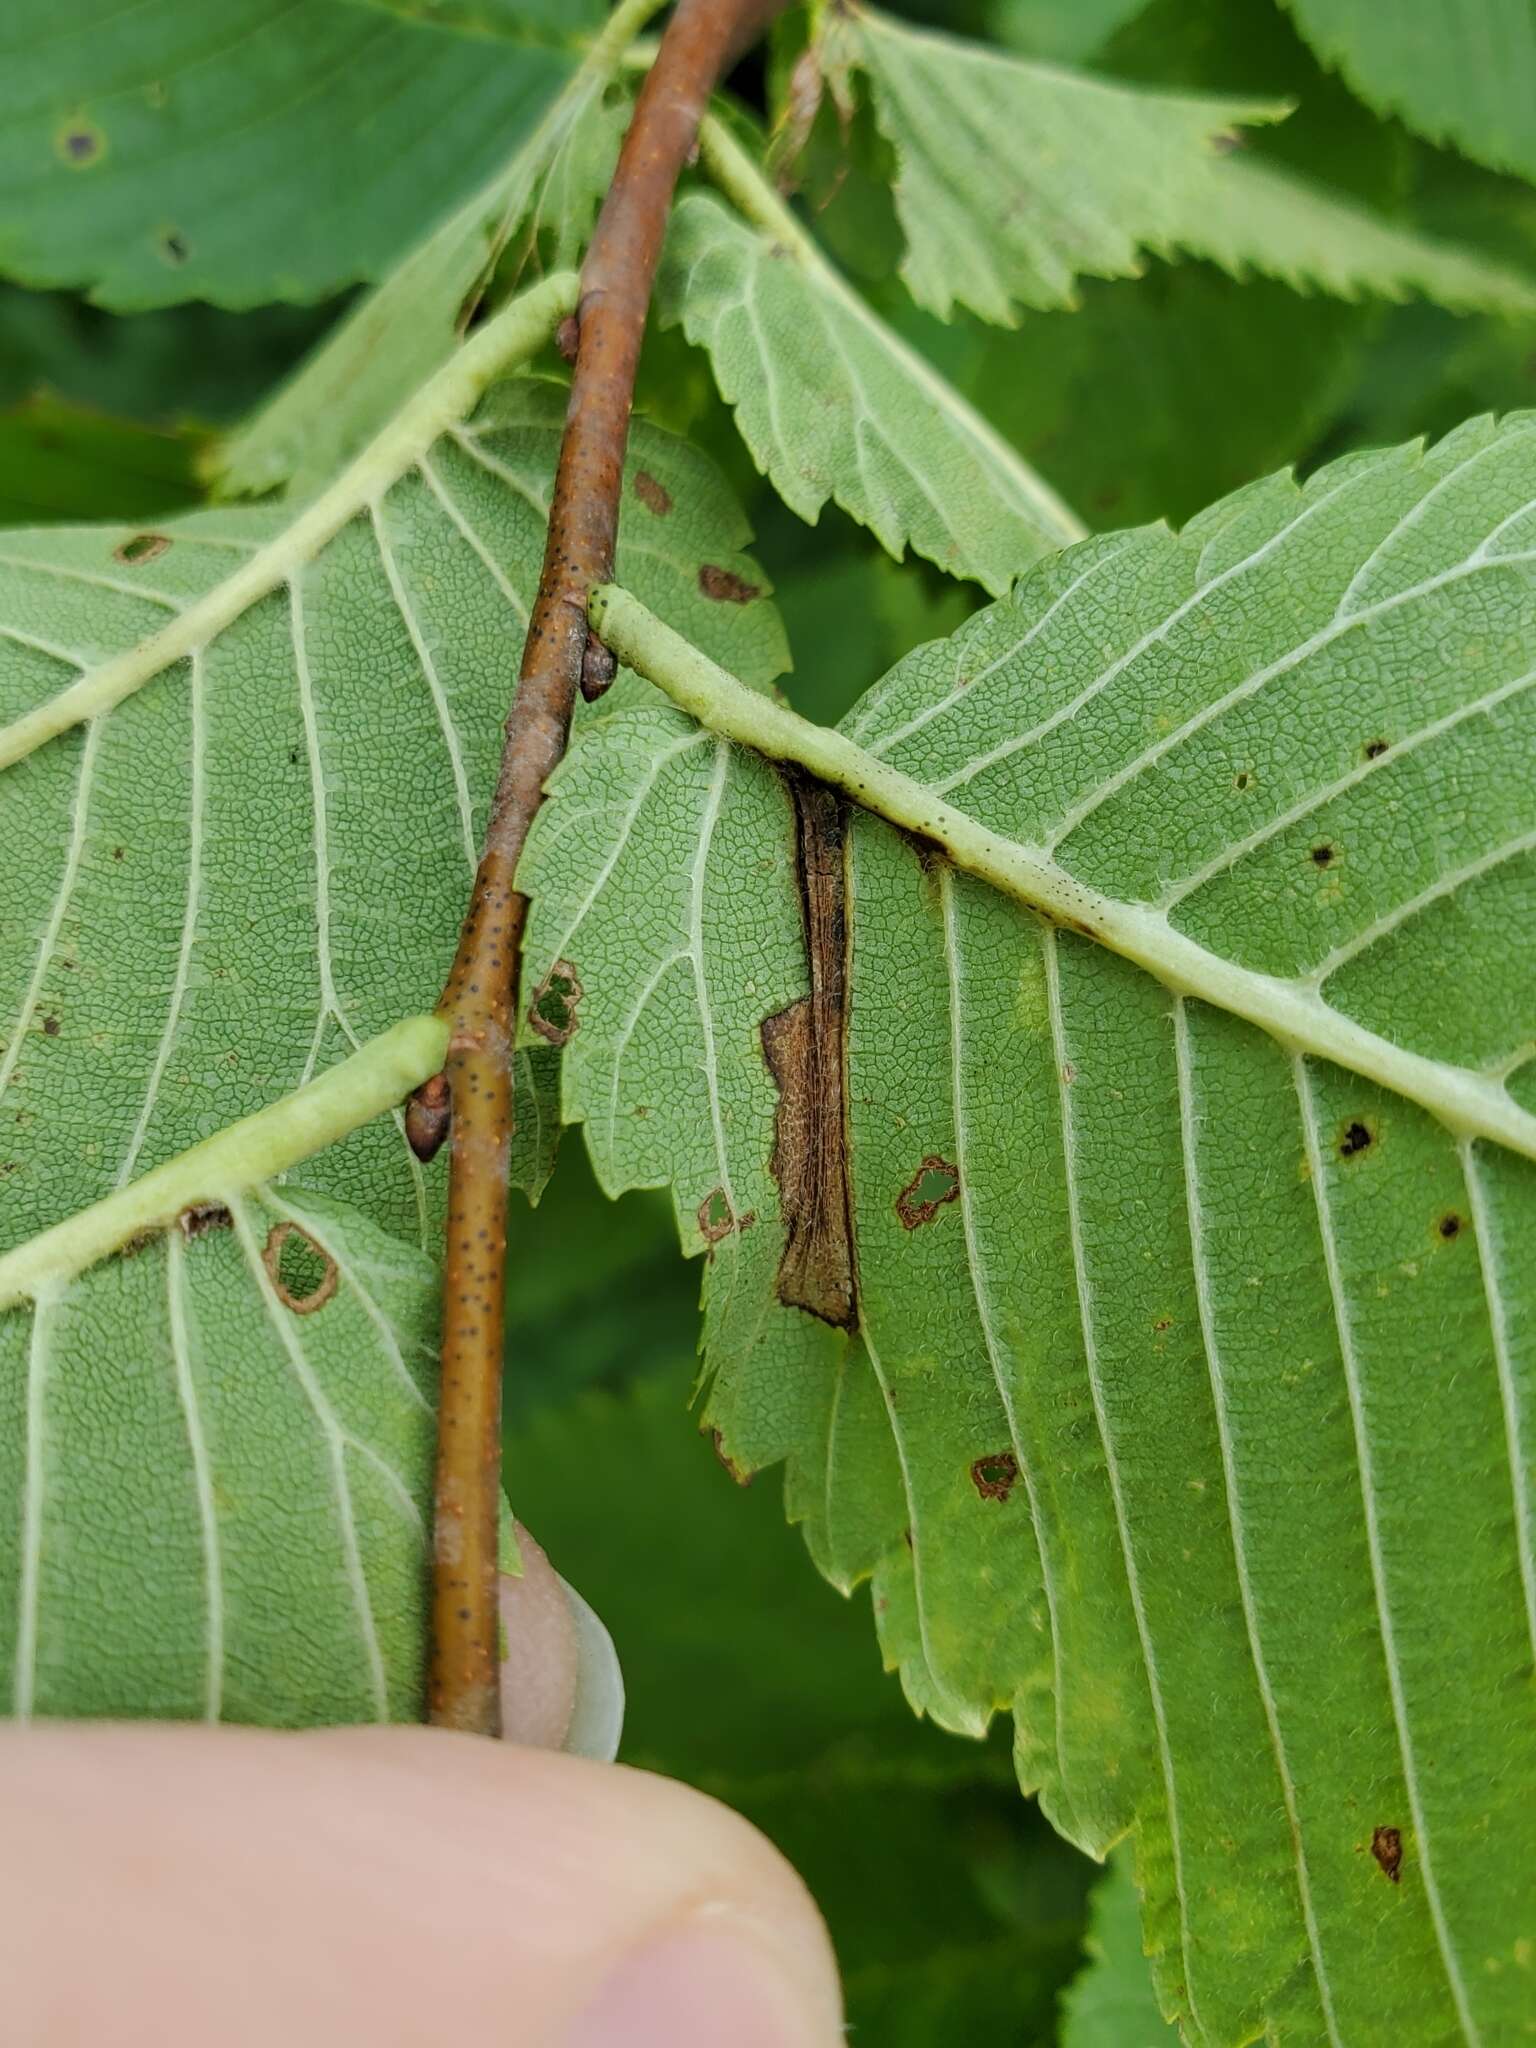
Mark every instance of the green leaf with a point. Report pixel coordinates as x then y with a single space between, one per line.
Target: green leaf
217 1485
1098 172
256 851
832 404
63 461
256 151
1459 71
558 20
1111 2003
1064 31
1153 398
744 1677
1191 1119
182 364
411 323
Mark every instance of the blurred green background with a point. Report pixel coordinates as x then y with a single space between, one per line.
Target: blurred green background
957 1913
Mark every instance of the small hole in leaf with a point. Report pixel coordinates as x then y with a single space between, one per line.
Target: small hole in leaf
935 1183
1374 749
173 246
1242 779
1449 1225
1323 855
1357 1138
552 1013
993 1476
139 548
715 1218
302 1273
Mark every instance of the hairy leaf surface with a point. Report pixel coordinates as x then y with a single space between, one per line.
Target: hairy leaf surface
257 855
251 151
216 1458
834 405
1126 1433
1082 175
1460 71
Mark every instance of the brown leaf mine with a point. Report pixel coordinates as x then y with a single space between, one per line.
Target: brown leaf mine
803 1046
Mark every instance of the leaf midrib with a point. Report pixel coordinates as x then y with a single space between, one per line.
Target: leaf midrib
1289 1010
514 335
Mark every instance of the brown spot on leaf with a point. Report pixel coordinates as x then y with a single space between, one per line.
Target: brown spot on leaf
715 1218
304 1276
1387 1848
725 586
993 1476
140 548
727 1461
428 1117
654 496
552 1013
80 143
1356 1137
568 337
935 1182
50 1027
202 1217
803 1046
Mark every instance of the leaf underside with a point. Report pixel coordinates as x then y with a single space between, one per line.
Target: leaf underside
222 1492
220 886
1096 172
1128 1437
833 405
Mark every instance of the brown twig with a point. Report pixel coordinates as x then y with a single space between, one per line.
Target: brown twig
477 1000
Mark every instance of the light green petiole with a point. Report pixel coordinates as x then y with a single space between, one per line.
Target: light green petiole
515 334
373 1080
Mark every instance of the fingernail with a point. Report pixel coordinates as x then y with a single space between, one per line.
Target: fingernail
561 1685
698 1985
597 1714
